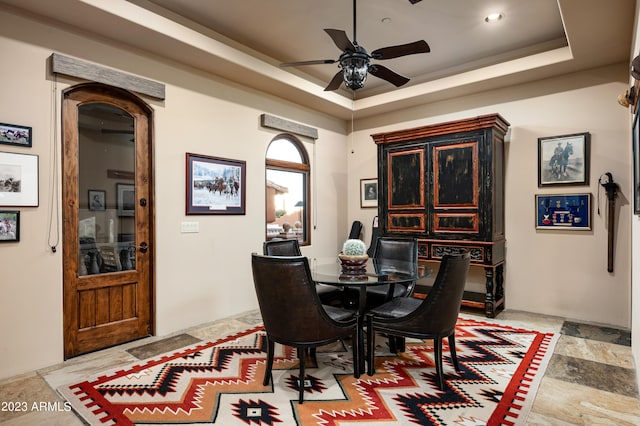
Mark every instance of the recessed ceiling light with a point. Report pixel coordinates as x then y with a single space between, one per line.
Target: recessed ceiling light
386 20
494 17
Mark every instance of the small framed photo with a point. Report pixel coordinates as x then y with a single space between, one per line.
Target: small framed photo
97 200
215 185
125 199
565 212
9 226
18 180
368 193
11 134
563 160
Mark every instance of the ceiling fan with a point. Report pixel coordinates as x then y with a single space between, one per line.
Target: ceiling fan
355 61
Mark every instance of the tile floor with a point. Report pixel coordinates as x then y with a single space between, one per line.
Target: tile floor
590 380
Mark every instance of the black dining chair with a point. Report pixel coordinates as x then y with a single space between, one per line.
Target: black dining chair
281 248
374 237
329 295
356 230
433 317
393 249
293 315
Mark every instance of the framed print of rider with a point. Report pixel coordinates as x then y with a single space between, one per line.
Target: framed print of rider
563 160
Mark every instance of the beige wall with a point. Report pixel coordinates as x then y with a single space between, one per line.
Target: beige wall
205 276
635 234
550 272
200 277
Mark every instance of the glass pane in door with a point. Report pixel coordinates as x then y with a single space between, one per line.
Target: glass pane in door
106 189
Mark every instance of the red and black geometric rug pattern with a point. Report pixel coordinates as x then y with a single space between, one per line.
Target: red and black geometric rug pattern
221 383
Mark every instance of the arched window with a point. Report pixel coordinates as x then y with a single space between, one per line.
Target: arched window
287 190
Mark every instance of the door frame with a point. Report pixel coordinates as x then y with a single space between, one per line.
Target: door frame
97 92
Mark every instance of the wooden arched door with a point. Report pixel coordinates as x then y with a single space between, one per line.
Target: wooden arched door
107 218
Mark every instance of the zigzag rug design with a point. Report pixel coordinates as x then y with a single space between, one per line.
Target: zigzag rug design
221 383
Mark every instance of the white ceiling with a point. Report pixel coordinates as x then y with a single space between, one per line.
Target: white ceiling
245 41
292 30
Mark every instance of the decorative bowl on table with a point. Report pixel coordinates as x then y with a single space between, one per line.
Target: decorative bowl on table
353 257
353 265
353 262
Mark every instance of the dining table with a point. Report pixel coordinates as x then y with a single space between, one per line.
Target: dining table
375 272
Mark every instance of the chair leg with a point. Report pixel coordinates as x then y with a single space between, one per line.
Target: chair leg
396 344
361 357
392 344
452 350
302 358
267 372
437 346
371 337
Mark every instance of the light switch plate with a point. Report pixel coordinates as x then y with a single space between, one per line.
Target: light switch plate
188 227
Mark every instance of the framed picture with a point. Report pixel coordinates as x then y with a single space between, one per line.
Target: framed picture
97 200
564 212
215 185
368 193
9 226
125 199
18 180
564 160
636 162
11 134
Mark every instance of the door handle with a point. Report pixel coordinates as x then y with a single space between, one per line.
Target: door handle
143 247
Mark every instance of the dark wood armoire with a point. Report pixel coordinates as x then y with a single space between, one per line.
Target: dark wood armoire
444 184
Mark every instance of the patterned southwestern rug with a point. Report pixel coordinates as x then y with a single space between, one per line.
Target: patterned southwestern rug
221 383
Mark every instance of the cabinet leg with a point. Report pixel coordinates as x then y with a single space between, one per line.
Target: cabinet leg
499 282
489 299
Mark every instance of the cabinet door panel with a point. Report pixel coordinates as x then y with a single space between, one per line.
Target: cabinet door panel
406 179
455 169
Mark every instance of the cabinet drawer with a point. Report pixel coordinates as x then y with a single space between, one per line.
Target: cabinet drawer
477 254
456 222
406 222
481 253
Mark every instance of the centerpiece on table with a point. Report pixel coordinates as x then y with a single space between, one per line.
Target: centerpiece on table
353 257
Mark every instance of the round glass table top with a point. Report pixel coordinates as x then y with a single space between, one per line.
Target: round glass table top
374 272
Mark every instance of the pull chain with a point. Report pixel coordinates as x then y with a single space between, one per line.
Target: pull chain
54 240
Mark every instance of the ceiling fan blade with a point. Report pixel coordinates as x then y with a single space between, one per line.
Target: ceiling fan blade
386 74
401 50
341 40
315 62
335 83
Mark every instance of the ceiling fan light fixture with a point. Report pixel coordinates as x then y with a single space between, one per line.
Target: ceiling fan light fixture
354 62
354 70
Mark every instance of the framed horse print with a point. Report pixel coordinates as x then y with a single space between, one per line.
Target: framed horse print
563 160
215 185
